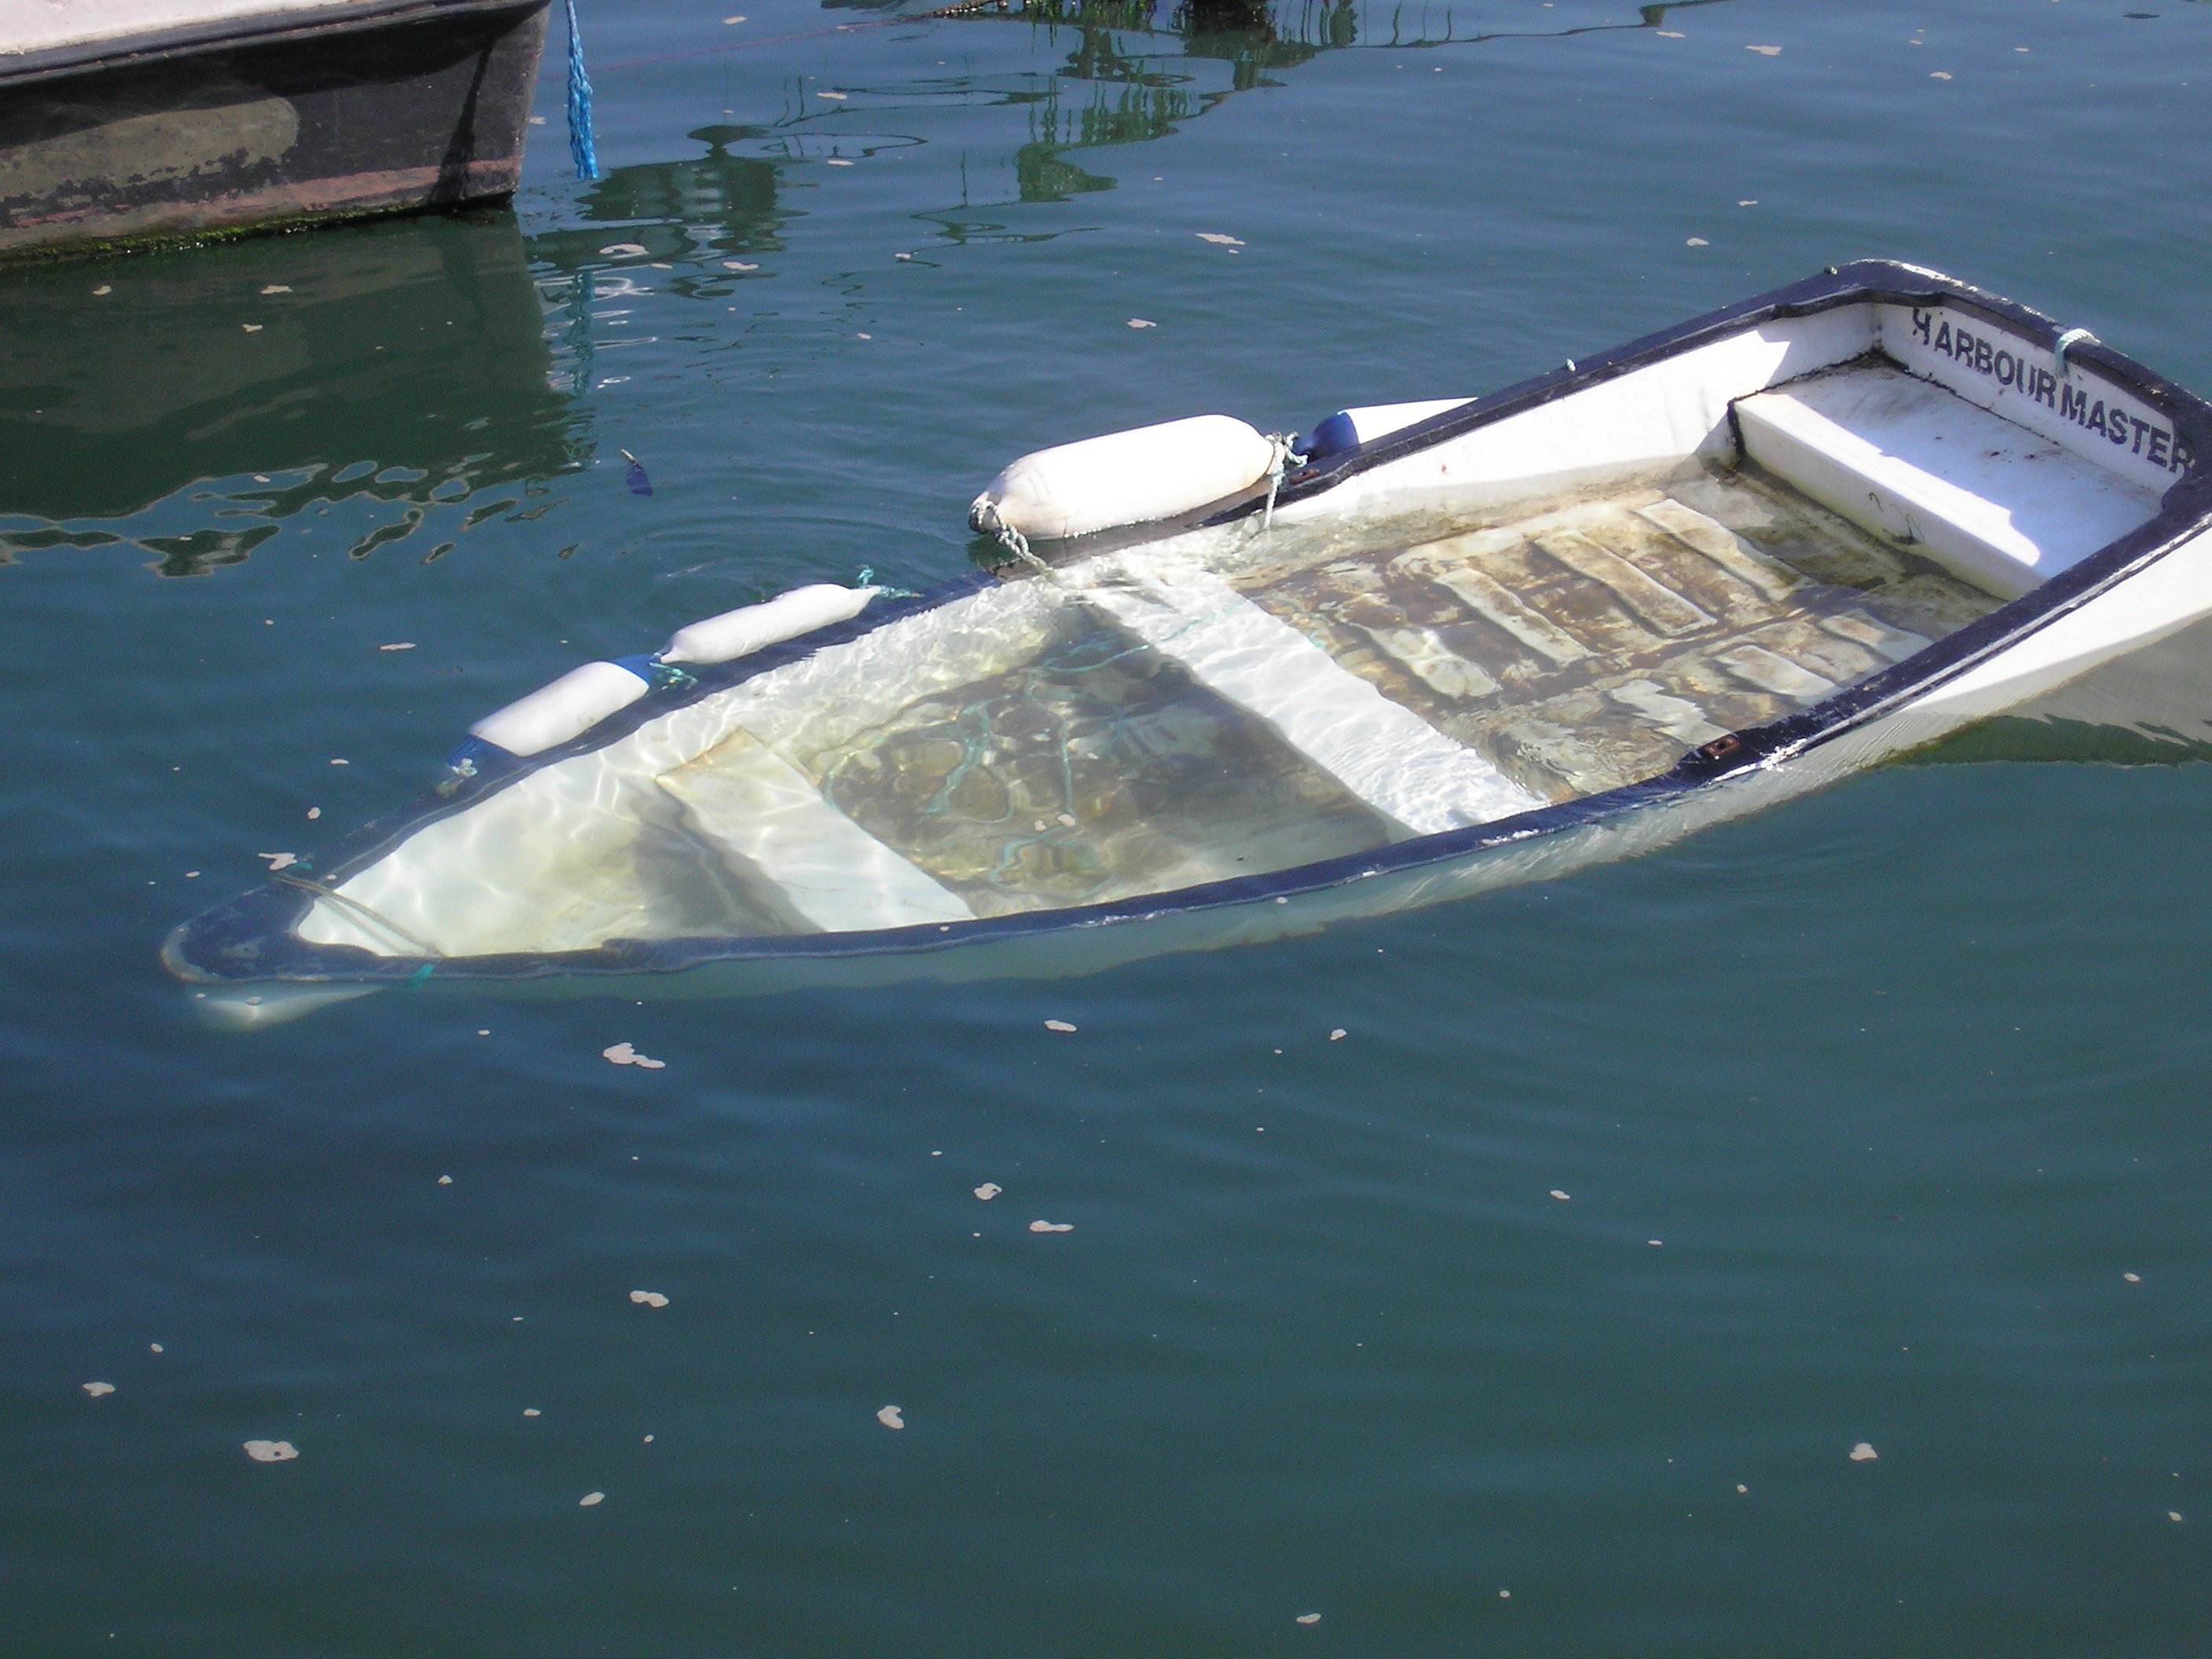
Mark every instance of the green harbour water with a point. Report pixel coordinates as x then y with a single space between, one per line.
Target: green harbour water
1539 1313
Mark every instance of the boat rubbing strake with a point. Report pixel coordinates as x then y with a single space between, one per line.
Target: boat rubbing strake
1258 684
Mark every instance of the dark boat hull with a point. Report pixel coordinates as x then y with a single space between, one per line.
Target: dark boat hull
375 108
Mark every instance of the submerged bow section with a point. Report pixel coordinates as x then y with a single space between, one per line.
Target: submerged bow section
1216 705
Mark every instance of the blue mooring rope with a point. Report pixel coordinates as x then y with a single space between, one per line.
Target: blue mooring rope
581 149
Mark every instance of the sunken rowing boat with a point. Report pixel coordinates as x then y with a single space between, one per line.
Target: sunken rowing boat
1228 688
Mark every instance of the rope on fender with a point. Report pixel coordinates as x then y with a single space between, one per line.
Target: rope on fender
985 518
1281 458
581 150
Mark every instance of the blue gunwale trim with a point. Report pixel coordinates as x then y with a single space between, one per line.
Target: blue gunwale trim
250 939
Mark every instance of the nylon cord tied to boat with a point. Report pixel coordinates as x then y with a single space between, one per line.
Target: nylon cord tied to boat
1006 536
366 912
580 148
867 578
1282 456
2067 341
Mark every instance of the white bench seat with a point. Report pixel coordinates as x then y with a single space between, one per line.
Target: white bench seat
1990 501
770 823
1381 752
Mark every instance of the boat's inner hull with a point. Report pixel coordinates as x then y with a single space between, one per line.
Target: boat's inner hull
1230 704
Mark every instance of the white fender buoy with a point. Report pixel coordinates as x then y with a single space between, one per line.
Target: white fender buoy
566 708
752 628
1124 478
1348 428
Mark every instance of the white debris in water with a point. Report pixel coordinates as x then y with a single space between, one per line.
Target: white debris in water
1863 1453
1766 52
618 249
531 1411
1655 1243
834 97
591 1498
341 762
2173 1516
891 1417
279 860
314 812
1339 1035
2132 1278
1052 1226
1057 1025
105 288
1940 75
277 287
738 19
1741 1487
1142 322
623 1053
738 264
1309 1619
989 1190
839 162
1557 1194
397 645
444 1180
255 328
1067 819
1698 242
155 1347
272 1451
96 1389
1218 239
648 1298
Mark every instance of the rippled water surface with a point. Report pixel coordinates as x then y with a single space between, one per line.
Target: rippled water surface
1539 1313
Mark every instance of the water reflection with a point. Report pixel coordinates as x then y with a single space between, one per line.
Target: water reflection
717 202
1118 44
2151 706
671 212
404 363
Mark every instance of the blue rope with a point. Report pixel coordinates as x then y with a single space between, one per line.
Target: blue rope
581 149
